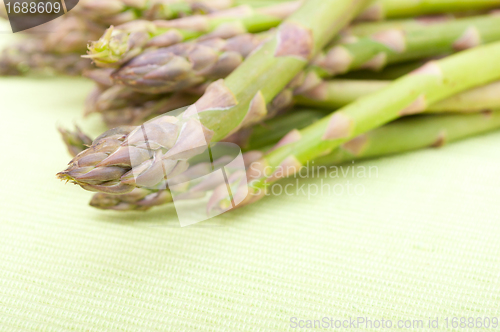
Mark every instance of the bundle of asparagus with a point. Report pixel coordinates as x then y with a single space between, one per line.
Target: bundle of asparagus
248 73
113 12
3 10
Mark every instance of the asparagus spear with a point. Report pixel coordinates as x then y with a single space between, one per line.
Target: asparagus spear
389 73
365 29
398 137
145 198
121 11
383 9
137 200
101 76
70 34
149 72
115 12
258 137
410 94
187 64
57 52
120 44
152 72
226 106
338 93
328 96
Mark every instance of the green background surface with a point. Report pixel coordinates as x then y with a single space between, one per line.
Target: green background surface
423 241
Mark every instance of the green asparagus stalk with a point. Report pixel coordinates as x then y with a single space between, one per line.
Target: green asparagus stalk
227 106
119 45
57 52
338 93
410 94
186 65
401 136
384 9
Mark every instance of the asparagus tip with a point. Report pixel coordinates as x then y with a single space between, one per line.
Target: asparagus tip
63 176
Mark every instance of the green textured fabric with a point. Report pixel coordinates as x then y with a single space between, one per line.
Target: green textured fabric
423 241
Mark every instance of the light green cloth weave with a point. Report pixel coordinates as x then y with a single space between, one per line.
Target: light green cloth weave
423 241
